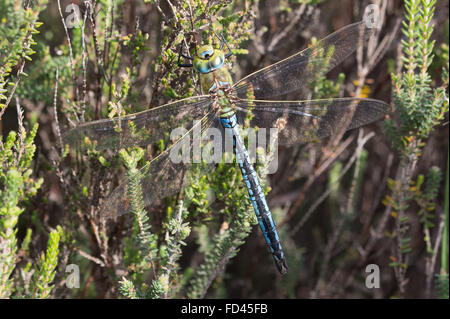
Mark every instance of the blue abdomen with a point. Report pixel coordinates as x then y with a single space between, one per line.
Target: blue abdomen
256 193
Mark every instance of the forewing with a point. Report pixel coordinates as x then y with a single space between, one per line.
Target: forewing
297 72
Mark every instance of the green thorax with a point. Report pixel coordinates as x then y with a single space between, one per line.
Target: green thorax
209 63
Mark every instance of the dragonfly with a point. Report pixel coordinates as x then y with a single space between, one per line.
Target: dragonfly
227 105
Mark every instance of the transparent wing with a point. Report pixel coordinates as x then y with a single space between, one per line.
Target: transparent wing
310 121
298 71
166 174
141 128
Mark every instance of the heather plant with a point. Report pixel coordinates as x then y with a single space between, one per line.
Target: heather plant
18 186
420 108
18 26
374 196
22 275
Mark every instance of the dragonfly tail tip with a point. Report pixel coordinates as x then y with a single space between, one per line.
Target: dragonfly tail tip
282 266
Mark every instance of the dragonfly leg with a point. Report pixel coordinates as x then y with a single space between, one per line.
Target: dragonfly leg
180 54
222 42
229 53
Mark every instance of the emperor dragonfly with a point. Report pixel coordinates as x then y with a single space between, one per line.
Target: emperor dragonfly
226 104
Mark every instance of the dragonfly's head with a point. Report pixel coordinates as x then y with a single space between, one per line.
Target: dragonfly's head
208 59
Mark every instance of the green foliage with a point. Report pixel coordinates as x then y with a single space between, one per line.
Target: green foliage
224 246
442 286
17 154
144 258
141 248
17 186
18 25
176 233
47 266
420 107
42 76
127 289
15 175
425 199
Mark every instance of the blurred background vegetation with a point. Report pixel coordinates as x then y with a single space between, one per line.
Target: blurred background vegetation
377 195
